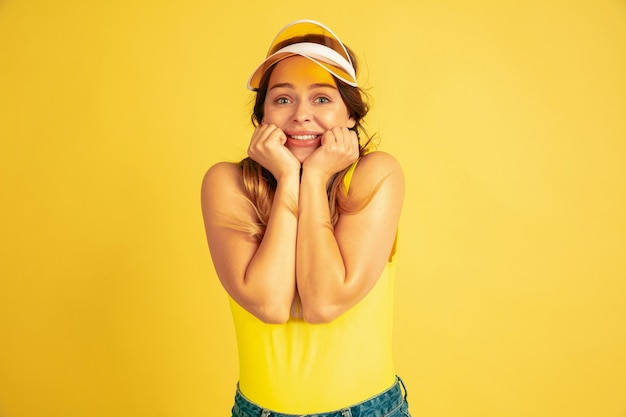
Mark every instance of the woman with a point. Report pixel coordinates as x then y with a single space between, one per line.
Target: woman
302 236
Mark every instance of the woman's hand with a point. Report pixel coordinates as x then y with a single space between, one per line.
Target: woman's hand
339 148
267 147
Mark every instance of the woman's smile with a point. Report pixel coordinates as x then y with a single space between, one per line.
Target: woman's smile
303 139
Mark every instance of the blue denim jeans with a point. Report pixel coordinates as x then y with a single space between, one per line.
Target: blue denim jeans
389 403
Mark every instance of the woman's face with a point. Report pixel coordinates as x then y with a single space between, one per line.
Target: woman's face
303 101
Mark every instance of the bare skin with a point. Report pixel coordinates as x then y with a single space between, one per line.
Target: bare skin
330 268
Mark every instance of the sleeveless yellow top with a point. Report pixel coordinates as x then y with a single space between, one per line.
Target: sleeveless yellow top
303 368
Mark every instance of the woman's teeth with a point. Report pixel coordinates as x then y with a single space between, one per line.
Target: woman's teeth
303 137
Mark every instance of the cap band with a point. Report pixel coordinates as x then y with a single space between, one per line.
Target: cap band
317 52
333 58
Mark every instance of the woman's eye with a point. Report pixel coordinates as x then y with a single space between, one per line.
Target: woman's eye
322 100
282 100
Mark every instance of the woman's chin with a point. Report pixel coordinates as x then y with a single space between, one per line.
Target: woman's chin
301 153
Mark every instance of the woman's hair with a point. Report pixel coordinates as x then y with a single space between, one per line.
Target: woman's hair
260 184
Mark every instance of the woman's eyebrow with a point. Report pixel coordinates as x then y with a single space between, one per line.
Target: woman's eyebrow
321 85
282 85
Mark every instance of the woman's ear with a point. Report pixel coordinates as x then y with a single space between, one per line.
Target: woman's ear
351 123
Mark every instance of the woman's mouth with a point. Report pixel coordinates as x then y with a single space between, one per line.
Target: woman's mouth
304 140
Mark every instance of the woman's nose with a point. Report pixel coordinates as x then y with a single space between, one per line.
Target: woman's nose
302 112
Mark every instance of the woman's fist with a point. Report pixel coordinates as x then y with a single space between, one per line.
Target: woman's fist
339 149
267 147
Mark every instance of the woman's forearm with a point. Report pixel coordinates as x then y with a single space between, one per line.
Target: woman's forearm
271 272
320 269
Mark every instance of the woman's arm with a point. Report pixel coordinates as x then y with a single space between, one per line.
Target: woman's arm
336 267
259 276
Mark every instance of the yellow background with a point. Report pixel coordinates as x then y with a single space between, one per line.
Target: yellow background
508 117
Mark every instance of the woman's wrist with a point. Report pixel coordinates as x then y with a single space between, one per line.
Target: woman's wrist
289 177
315 177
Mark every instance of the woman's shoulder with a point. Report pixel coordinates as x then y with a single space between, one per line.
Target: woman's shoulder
222 174
224 169
378 164
376 170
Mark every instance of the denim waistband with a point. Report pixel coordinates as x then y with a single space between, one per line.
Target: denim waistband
377 406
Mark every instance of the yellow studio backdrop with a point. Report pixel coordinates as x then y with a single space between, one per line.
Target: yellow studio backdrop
508 117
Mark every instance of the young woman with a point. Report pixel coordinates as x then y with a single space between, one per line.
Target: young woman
302 235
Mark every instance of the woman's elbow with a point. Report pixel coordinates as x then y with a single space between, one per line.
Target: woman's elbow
272 314
320 314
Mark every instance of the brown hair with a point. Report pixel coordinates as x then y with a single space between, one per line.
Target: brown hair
260 184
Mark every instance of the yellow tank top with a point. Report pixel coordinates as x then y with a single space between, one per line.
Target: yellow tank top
303 368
